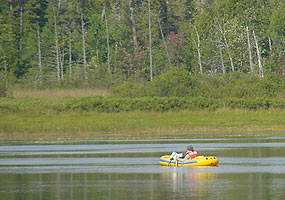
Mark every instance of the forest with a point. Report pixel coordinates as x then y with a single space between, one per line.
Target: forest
143 44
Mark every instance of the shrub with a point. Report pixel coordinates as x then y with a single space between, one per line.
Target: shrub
3 89
177 83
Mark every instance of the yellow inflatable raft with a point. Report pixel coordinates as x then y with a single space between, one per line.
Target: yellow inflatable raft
198 161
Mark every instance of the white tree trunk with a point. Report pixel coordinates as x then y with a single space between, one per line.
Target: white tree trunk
107 37
40 55
164 42
56 46
249 51
270 45
6 73
116 53
198 44
150 39
97 50
70 56
226 44
4 63
229 53
222 57
258 56
59 4
62 54
132 18
21 32
84 47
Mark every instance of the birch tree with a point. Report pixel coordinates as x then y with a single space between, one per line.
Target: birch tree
150 40
164 41
225 41
133 25
21 34
70 56
258 55
40 55
198 44
249 51
83 45
107 38
56 45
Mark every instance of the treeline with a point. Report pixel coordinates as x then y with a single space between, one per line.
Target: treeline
172 91
102 43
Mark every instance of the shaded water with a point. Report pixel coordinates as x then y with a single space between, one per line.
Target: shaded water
249 169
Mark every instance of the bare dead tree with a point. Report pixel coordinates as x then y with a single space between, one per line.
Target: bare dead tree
40 55
221 56
198 44
269 44
107 38
70 56
116 53
4 63
133 24
21 31
150 41
249 51
6 74
59 4
223 33
83 45
164 41
258 56
56 45
62 55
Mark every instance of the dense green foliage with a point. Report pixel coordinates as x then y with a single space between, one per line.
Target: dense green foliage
182 84
102 43
3 89
109 104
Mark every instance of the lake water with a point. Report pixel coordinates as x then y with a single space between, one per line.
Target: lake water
250 168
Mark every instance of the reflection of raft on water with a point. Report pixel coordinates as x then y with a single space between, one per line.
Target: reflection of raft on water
198 161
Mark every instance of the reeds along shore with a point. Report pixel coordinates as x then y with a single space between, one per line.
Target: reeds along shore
75 92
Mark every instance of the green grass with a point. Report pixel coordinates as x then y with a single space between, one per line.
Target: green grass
141 124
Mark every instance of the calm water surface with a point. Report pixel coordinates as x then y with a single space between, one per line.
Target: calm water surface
252 168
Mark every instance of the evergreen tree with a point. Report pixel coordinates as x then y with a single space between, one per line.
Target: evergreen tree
9 40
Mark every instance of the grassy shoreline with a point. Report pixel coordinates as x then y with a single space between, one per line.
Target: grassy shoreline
41 125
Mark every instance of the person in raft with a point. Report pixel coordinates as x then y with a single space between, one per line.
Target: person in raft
190 154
